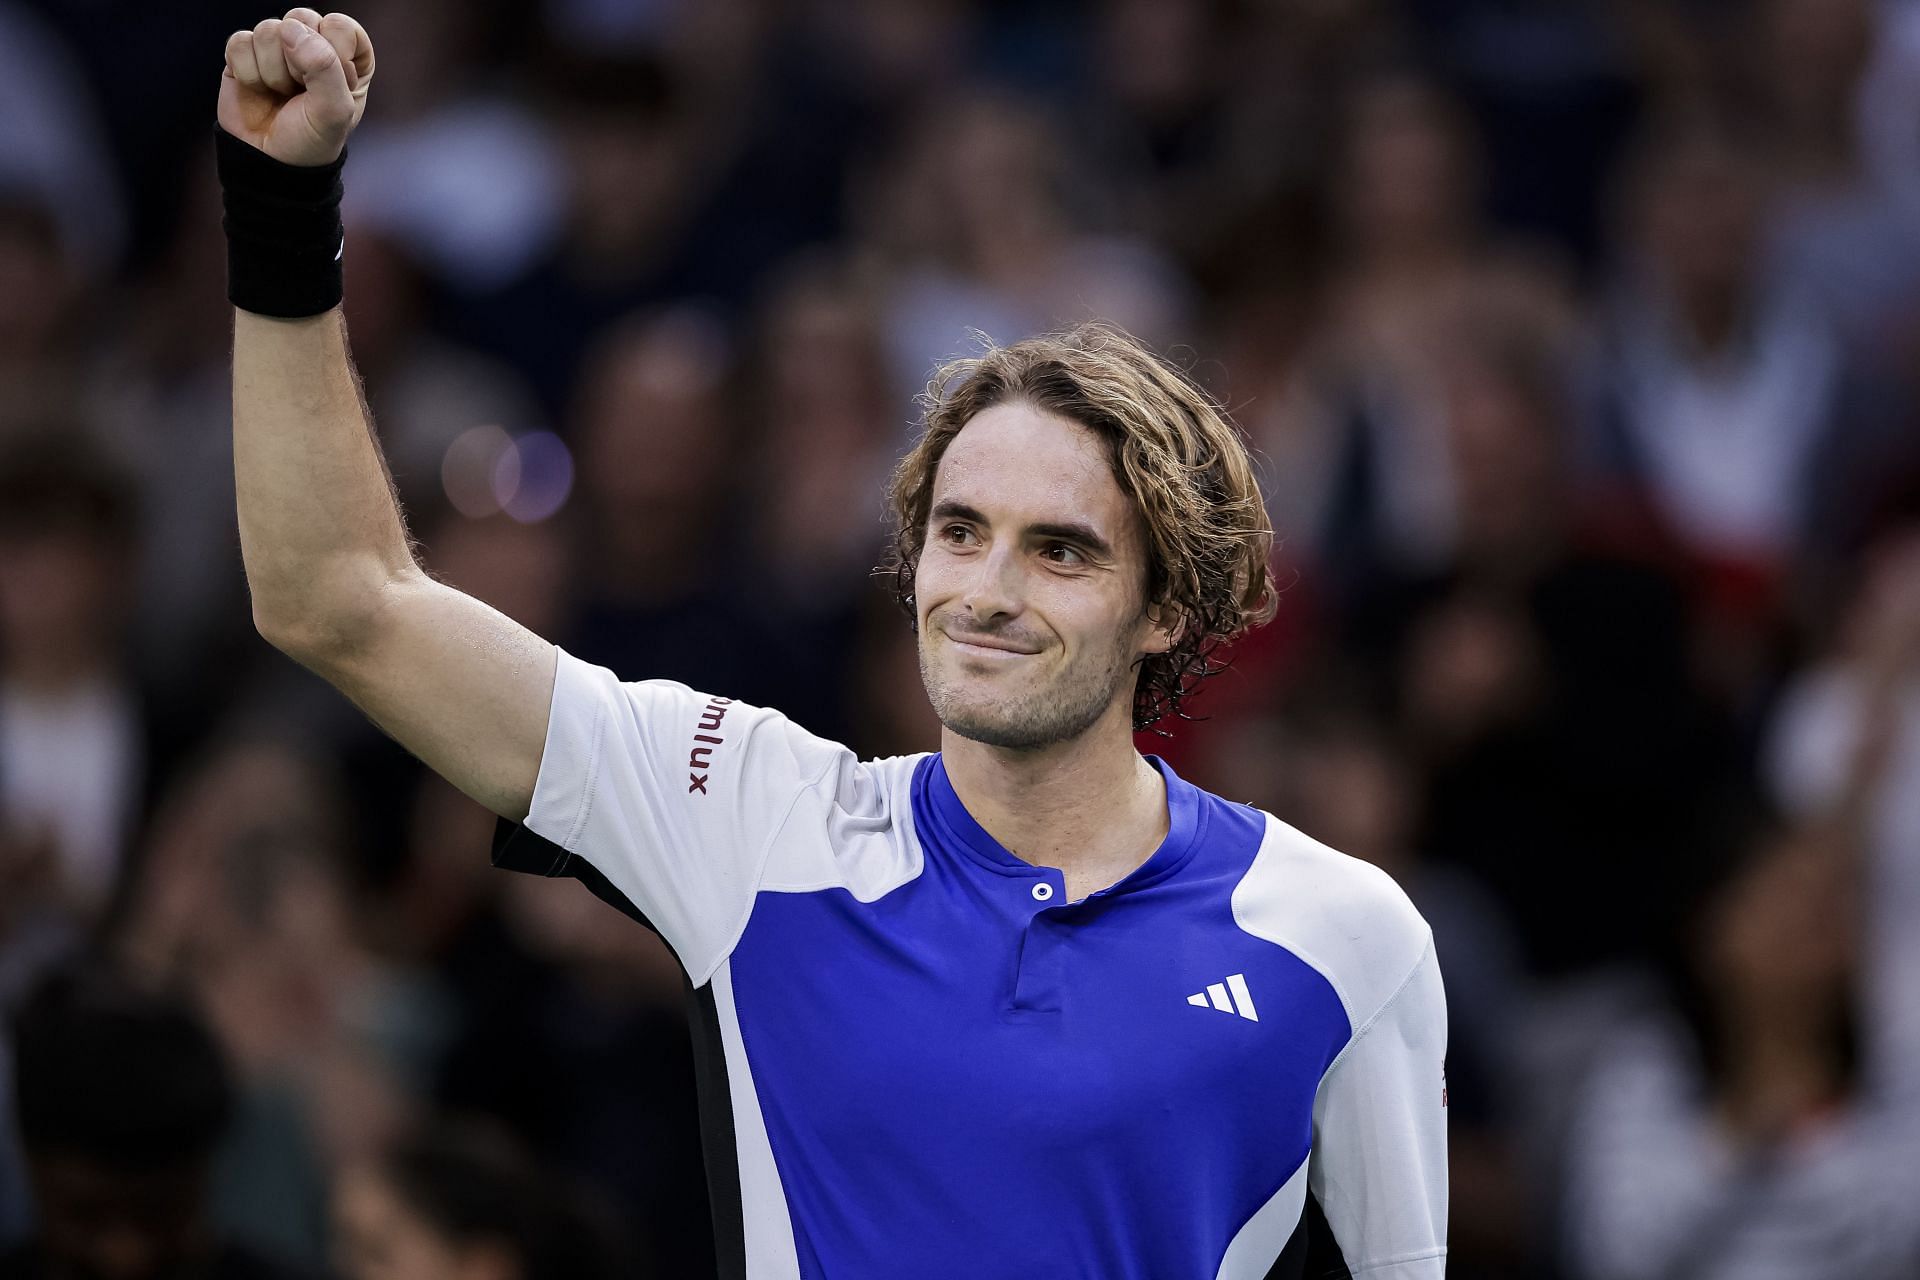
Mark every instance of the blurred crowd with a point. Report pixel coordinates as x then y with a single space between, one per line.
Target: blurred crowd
1579 342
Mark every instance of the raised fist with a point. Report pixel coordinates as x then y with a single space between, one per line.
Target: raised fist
295 86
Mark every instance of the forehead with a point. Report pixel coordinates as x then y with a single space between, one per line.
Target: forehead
1018 464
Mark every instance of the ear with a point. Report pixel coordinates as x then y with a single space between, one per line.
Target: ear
1165 624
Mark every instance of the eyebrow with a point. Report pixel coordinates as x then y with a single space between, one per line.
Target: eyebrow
1064 531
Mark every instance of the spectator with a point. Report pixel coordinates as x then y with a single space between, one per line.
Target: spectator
122 1097
463 175
1725 403
629 192
583 1054
53 152
1359 442
424 391
43 297
162 391
1551 733
461 1205
977 229
830 430
1551 91
827 427
1844 745
655 430
74 737
1839 234
247 899
1728 1133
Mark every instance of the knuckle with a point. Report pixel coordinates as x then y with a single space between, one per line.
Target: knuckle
267 27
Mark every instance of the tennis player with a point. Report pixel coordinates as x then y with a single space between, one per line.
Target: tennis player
1032 1006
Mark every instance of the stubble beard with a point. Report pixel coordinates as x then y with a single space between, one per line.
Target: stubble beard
1031 718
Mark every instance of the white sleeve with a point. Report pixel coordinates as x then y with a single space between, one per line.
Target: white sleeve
1379 1160
672 797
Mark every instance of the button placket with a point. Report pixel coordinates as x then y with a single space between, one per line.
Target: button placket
1037 968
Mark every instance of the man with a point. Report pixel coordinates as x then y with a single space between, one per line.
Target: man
1031 1006
457 1203
122 1097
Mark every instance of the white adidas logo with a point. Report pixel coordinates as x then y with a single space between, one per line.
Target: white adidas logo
1230 996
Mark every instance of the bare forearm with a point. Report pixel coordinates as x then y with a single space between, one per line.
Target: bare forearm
335 586
320 531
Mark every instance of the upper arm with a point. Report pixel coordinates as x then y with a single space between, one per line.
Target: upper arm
675 798
1379 1162
453 680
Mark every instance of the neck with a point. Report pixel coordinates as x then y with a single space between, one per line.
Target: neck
1091 806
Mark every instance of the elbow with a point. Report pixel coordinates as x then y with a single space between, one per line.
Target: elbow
323 628
280 630
306 638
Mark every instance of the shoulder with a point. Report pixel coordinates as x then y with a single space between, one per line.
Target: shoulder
1344 917
852 828
676 722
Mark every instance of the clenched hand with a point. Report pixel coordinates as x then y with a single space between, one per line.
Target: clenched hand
296 86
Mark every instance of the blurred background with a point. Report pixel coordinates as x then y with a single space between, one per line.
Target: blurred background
1579 341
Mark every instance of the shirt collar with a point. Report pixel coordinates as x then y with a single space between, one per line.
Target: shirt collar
947 819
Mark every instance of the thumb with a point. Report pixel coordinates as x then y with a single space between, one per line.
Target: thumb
313 61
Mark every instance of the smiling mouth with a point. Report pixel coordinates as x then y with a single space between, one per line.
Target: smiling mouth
989 650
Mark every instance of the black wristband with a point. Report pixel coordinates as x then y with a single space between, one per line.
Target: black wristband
284 238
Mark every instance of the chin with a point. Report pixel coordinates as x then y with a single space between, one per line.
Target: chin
1013 710
993 730
1014 724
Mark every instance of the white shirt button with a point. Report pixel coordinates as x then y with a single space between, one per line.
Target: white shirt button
1042 891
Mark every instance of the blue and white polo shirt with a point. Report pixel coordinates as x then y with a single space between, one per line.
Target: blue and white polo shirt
919 1059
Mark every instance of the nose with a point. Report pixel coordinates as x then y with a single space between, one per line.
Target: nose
995 589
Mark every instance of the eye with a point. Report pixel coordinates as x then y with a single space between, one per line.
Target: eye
1063 553
959 535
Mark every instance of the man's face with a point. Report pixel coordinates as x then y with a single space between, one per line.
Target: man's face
1030 593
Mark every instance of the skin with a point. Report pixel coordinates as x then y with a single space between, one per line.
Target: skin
1031 600
333 580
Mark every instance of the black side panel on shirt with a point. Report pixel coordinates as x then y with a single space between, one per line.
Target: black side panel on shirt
1312 1253
716 1135
517 849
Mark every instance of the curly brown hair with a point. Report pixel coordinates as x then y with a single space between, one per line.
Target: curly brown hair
1174 454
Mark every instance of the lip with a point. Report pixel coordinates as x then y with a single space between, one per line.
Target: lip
983 646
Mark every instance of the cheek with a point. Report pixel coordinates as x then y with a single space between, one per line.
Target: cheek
935 582
1087 624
